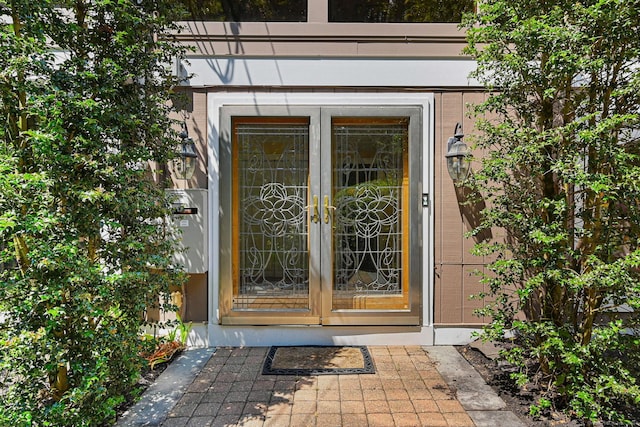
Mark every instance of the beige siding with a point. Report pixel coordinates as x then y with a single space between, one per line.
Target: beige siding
322 39
194 307
455 280
195 109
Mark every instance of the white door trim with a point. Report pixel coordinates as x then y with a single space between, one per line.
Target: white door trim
268 335
206 71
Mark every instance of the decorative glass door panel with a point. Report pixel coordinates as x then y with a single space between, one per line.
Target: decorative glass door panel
271 160
370 183
316 223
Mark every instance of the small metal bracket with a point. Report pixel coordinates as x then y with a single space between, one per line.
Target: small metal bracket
425 200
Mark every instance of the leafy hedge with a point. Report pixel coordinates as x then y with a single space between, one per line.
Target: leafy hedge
85 99
560 131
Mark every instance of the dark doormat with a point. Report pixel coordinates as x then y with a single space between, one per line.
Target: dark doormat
318 360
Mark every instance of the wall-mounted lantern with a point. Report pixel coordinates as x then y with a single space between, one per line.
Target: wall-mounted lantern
188 157
458 162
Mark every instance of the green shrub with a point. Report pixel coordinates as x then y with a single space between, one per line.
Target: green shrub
560 179
84 246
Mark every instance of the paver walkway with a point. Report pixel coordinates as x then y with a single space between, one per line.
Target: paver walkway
406 390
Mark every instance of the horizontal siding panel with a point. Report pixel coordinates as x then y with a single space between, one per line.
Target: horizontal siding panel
448 295
471 285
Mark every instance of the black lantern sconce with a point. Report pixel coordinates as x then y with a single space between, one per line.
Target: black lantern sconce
458 162
186 165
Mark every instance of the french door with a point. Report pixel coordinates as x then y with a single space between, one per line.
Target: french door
320 216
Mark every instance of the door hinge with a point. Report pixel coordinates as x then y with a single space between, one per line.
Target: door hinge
425 200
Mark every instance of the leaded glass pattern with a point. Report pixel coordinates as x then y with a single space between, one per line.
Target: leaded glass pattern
369 168
272 190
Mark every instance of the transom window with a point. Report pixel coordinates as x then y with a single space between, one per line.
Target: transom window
399 10
247 10
370 11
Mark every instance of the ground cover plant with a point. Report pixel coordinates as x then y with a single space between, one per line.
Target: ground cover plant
85 96
560 177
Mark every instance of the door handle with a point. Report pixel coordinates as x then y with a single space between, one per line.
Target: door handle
327 209
315 216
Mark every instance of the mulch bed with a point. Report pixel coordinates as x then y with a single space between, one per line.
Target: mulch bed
518 400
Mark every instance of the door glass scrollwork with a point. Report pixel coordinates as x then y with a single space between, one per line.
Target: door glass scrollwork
273 232
369 168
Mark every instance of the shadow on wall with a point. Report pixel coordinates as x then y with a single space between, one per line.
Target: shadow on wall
471 205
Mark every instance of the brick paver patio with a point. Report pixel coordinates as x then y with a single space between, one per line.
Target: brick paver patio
406 390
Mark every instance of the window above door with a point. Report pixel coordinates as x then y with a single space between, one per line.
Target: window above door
363 11
408 11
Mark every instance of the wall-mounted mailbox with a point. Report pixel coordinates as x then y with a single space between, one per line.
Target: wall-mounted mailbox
190 215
